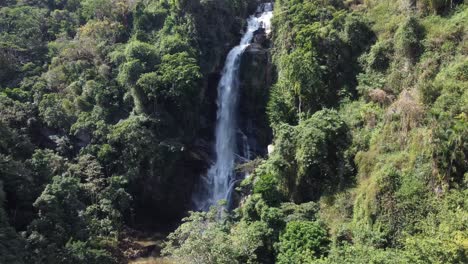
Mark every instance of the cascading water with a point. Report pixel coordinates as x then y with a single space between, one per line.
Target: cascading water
220 178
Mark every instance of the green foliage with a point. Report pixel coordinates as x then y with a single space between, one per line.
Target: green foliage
210 237
364 254
22 27
59 208
300 212
174 84
443 233
10 244
316 43
22 39
407 39
266 186
130 140
81 252
400 147
252 241
100 9
439 6
378 58
449 111
103 105
201 239
143 52
53 111
74 210
62 23
151 16
302 242
308 160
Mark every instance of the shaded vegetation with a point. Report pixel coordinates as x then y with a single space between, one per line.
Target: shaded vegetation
105 107
368 162
101 103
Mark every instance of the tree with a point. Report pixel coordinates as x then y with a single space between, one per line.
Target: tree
22 39
175 83
52 110
302 242
407 39
60 219
11 246
201 239
309 158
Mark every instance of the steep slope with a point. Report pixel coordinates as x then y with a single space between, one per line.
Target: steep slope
368 162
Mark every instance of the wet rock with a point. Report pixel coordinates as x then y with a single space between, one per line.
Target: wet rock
260 38
255 81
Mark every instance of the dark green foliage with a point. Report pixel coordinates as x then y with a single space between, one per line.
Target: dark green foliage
75 211
317 46
104 106
135 132
150 17
62 23
53 112
266 186
319 154
450 112
80 252
302 242
364 254
378 58
59 206
173 86
407 39
300 212
11 246
308 160
22 39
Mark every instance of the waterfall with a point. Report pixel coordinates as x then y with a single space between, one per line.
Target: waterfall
220 178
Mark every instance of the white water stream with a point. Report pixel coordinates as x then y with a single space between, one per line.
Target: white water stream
217 183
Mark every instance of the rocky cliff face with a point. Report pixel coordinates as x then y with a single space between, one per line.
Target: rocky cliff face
256 75
218 31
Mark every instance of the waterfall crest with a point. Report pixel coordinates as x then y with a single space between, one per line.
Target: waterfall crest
220 178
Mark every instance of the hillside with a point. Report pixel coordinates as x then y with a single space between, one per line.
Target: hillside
344 140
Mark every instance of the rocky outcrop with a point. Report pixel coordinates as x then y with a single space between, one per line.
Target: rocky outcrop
256 78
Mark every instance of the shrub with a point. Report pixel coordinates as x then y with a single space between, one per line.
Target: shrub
267 187
302 242
379 56
361 254
409 111
201 239
407 39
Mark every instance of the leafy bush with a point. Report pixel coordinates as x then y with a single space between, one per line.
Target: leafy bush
408 38
316 43
10 245
266 186
302 242
201 239
363 254
379 56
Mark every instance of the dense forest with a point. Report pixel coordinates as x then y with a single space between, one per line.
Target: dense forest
108 112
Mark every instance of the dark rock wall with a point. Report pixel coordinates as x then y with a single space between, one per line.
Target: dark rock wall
256 77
